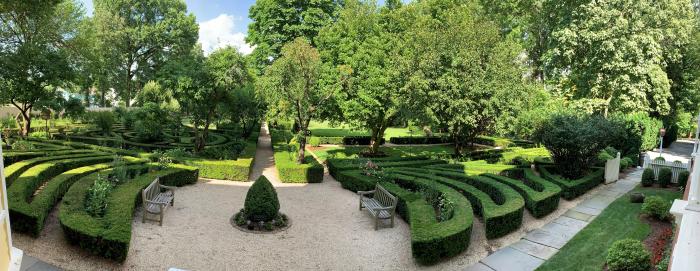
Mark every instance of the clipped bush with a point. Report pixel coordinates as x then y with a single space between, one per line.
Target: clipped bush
656 207
665 176
683 178
96 200
22 145
572 188
420 140
648 177
628 255
261 203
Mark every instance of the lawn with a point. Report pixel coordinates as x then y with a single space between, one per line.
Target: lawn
326 129
587 250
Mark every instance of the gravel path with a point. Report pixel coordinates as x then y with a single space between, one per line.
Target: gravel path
328 232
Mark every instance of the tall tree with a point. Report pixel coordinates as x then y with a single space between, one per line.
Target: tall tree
462 72
34 36
294 86
277 22
144 34
613 54
366 39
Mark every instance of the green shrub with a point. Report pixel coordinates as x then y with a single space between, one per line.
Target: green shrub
576 187
647 177
575 141
229 151
314 141
665 175
683 178
420 140
625 163
541 196
104 120
96 200
656 207
22 145
628 255
641 133
261 203
150 122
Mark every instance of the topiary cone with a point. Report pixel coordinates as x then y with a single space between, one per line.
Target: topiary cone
261 203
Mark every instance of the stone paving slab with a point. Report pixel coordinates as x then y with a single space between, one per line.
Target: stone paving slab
587 210
578 215
599 203
558 229
571 222
509 259
534 249
546 238
479 267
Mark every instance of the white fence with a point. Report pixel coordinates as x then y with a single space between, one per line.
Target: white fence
657 164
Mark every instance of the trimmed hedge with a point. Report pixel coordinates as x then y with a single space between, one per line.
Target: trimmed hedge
79 145
573 188
335 165
11 158
318 140
110 236
401 140
541 196
360 140
493 141
28 214
500 206
15 170
285 161
234 170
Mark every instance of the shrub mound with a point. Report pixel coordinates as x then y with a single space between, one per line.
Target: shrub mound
628 255
573 188
261 203
665 175
648 177
656 207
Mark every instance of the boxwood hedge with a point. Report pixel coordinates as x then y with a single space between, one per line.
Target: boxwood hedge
12 157
285 160
110 236
500 206
541 196
12 172
401 140
234 170
28 211
573 188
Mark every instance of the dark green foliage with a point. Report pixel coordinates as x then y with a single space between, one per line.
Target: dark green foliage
665 175
641 133
575 141
420 140
149 122
656 207
628 255
576 187
541 196
261 203
110 235
671 133
636 197
229 151
648 177
104 121
683 178
285 161
359 140
96 198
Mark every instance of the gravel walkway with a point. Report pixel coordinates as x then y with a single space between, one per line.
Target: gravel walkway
328 232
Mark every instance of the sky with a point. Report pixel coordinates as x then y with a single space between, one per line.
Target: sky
221 22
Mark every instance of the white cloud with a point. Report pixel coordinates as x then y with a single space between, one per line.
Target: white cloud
219 32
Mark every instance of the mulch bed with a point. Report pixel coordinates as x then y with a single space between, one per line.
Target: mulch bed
659 238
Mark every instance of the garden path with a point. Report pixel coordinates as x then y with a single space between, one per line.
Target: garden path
541 244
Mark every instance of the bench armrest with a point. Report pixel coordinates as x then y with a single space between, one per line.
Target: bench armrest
384 208
167 187
362 193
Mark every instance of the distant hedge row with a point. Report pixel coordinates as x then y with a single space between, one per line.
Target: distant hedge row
285 160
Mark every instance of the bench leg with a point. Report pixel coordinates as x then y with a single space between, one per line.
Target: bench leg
143 218
360 203
376 223
392 221
161 218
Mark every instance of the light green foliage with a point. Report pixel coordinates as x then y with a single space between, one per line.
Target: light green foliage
152 92
364 40
22 145
142 35
611 54
656 207
296 85
628 255
96 199
103 120
149 122
462 73
275 23
34 58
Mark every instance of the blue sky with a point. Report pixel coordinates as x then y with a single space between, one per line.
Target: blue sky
221 22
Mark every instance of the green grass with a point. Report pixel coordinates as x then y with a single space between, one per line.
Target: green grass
326 129
587 250
399 151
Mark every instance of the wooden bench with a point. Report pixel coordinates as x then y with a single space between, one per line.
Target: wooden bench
380 204
156 198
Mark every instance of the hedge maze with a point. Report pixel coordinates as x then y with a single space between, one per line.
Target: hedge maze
440 201
54 171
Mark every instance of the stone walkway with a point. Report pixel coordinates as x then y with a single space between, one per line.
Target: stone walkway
541 244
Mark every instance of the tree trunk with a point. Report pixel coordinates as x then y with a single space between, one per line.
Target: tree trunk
376 140
27 125
303 127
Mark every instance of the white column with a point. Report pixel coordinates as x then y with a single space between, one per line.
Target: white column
694 190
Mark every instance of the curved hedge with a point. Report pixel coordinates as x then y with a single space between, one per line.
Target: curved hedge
12 172
541 196
500 206
13 157
401 140
573 188
28 213
110 236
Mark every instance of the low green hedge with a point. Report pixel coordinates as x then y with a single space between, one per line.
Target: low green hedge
500 206
318 140
360 140
110 236
11 158
541 196
335 165
401 140
28 214
80 145
15 170
573 188
234 170
285 161
493 141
